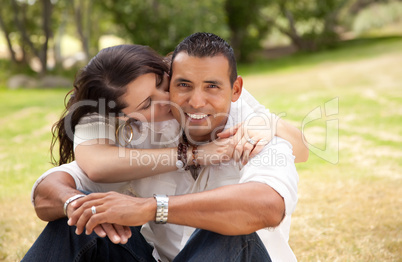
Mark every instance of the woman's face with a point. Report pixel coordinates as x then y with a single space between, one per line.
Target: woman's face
147 101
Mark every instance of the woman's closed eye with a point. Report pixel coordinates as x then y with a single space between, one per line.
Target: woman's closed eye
147 104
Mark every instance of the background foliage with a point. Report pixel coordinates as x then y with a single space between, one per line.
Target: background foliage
34 29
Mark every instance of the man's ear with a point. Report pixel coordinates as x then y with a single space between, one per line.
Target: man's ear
237 88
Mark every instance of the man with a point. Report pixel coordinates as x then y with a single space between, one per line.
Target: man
204 90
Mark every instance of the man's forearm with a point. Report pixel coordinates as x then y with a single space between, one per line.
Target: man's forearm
229 210
51 193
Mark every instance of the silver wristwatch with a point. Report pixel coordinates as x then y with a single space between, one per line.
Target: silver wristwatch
162 207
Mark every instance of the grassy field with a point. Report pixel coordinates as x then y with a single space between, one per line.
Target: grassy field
350 190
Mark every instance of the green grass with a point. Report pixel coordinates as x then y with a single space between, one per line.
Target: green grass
347 211
26 117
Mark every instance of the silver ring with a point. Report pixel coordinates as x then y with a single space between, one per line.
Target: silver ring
93 209
251 141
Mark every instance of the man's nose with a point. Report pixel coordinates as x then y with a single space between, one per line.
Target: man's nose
197 99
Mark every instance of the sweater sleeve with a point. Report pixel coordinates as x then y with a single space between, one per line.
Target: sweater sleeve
94 126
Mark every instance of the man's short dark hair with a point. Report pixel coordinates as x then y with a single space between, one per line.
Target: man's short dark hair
208 45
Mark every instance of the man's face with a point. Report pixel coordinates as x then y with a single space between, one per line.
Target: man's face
201 94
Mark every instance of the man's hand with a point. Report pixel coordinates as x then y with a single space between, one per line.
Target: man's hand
116 233
111 208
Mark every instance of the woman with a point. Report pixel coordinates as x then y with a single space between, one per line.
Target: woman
108 88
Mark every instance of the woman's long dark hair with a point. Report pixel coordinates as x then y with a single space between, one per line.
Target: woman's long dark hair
104 79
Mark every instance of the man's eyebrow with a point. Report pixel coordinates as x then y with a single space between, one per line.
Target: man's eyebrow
215 82
182 80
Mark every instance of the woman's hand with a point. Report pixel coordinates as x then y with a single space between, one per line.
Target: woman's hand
114 213
116 233
216 152
251 136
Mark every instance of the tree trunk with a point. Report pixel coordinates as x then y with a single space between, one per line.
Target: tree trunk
237 28
9 44
47 11
77 9
57 40
88 28
25 37
297 41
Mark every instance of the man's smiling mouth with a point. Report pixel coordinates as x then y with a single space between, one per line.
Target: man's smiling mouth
196 116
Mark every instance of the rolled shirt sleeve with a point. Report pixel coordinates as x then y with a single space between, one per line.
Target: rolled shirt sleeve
82 182
274 166
94 126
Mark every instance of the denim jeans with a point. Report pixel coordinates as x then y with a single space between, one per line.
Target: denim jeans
58 242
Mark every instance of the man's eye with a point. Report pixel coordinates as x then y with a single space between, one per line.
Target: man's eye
183 85
213 86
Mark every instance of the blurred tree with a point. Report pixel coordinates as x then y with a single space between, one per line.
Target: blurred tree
387 14
7 36
82 10
48 32
246 25
310 24
32 27
357 5
8 18
26 22
27 26
91 21
87 20
163 24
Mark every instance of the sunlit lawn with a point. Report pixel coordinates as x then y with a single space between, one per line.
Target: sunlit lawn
350 190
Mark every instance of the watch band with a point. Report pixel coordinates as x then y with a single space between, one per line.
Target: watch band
162 208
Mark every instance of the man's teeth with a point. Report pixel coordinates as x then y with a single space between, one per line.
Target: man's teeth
197 116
